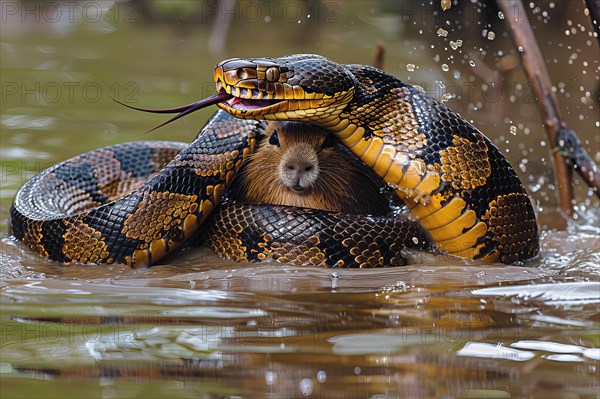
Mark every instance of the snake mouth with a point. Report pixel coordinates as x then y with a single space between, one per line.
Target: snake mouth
254 109
259 100
247 101
244 104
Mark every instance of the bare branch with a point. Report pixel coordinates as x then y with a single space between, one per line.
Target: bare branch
568 144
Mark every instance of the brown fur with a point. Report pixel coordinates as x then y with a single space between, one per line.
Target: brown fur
342 182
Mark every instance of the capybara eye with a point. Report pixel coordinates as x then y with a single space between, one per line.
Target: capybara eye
329 141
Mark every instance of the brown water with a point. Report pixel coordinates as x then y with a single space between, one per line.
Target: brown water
200 326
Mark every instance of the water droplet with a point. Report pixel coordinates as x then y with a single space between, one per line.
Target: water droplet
456 75
306 386
442 33
500 15
455 44
357 370
513 130
415 240
446 4
321 376
491 35
410 67
522 167
445 67
521 49
472 63
446 97
334 276
480 274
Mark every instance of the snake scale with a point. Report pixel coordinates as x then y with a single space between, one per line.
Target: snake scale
131 203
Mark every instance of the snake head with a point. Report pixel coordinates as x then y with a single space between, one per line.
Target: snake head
297 87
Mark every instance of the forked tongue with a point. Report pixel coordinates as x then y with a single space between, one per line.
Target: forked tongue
183 110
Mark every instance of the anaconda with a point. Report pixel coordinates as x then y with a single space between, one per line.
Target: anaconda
455 182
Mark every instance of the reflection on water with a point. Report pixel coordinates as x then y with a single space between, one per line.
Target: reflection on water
228 330
198 326
401 338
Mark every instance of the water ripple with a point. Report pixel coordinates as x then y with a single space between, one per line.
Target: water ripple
577 293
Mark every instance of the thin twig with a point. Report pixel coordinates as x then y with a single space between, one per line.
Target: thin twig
535 69
379 55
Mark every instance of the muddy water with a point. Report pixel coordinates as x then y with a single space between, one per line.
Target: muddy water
200 326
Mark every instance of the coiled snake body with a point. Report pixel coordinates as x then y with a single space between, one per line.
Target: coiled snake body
456 183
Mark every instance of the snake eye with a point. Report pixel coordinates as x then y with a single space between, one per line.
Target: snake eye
329 141
272 74
274 139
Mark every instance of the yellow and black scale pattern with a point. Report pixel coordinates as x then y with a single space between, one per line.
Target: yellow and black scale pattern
135 203
131 203
299 236
455 182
